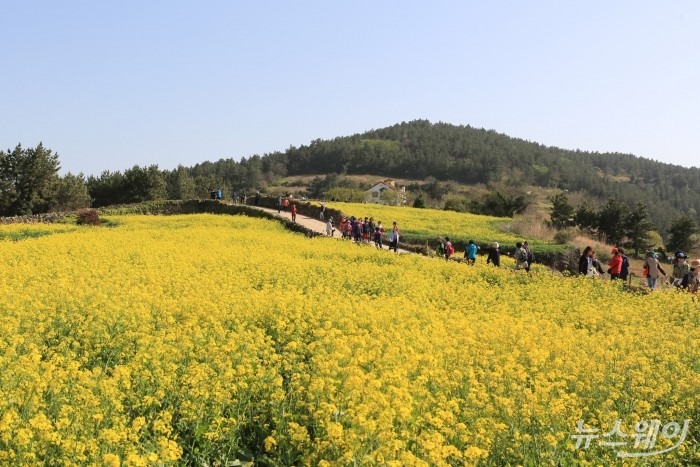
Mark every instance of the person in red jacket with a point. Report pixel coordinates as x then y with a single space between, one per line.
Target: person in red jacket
615 264
294 212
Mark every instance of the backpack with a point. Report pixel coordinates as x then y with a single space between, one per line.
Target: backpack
522 255
625 264
450 249
686 280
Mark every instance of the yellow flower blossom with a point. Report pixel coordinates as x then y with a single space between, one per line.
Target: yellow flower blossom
168 340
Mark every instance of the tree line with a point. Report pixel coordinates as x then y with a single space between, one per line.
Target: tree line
421 149
618 224
30 183
416 150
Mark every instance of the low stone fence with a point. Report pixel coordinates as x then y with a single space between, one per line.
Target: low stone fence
47 218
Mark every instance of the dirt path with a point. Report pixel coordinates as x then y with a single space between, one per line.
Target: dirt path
316 225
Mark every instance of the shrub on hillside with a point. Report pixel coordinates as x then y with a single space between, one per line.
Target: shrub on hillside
563 237
88 217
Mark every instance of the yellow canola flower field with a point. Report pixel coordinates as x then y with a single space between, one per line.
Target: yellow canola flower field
209 339
428 224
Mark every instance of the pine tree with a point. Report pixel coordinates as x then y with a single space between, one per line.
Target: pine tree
562 215
25 176
612 221
419 201
637 229
683 235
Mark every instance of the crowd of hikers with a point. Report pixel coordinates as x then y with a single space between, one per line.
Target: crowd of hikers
683 275
366 230
284 204
237 198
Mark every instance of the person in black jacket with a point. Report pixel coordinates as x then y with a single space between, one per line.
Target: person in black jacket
494 255
586 261
625 270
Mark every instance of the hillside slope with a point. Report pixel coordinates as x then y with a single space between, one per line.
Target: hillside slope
421 149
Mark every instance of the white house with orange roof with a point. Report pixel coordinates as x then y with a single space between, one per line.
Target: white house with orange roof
374 194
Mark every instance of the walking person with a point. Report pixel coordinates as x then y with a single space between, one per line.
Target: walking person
680 269
279 204
294 212
470 252
330 230
322 212
520 256
378 237
692 279
394 238
353 227
652 268
615 264
530 256
625 269
341 226
440 249
365 231
449 248
494 255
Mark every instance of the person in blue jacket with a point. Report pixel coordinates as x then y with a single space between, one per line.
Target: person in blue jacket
470 252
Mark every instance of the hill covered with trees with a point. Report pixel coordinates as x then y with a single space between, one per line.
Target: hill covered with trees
411 150
421 149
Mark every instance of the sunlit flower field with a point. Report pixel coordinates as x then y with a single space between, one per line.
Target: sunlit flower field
220 340
427 224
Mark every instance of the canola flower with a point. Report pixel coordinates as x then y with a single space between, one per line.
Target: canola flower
209 339
427 224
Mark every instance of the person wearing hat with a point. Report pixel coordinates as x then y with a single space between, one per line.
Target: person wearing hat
680 269
330 230
494 255
653 268
692 279
615 264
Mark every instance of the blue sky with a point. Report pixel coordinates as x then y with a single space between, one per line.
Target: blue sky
108 85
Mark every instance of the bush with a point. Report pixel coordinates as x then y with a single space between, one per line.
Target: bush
456 203
563 237
88 217
419 202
